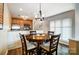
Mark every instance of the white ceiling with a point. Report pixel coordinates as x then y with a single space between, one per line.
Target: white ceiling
31 9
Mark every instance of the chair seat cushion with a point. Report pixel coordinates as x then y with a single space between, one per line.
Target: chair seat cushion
34 43
30 46
47 48
46 44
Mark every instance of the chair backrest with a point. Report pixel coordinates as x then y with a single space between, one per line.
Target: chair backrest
32 32
50 32
24 44
54 42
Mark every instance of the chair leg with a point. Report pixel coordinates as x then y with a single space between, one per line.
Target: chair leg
31 52
49 53
56 52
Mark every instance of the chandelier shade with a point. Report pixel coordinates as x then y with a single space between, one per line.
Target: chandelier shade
40 16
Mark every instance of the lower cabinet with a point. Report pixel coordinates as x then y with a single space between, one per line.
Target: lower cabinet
74 47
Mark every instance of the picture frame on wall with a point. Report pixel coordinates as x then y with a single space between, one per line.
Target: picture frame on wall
1 15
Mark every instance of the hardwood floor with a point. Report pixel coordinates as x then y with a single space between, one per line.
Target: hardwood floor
17 51
62 50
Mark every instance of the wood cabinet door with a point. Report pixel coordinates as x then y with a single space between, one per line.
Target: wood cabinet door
14 21
21 22
24 24
28 22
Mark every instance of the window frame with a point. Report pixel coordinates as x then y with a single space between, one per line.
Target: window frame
67 14
61 27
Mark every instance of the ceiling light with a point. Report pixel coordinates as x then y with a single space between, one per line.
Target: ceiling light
36 16
20 9
24 17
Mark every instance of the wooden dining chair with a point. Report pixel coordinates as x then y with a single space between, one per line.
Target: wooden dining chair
53 45
50 32
27 48
31 34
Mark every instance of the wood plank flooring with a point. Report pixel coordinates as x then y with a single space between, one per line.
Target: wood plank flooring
17 51
62 50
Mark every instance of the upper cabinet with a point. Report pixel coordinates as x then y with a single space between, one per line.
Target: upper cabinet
20 24
1 15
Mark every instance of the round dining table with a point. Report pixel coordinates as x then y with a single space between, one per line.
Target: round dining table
38 39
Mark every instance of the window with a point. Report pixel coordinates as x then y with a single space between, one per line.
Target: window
63 27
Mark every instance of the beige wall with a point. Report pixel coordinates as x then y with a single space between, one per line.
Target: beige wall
14 39
77 21
4 32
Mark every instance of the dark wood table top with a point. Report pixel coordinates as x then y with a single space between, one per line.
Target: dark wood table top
37 38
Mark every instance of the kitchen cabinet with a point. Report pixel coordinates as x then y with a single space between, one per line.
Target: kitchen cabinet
22 24
74 47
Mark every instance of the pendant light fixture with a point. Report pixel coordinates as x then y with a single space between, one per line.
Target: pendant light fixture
40 16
